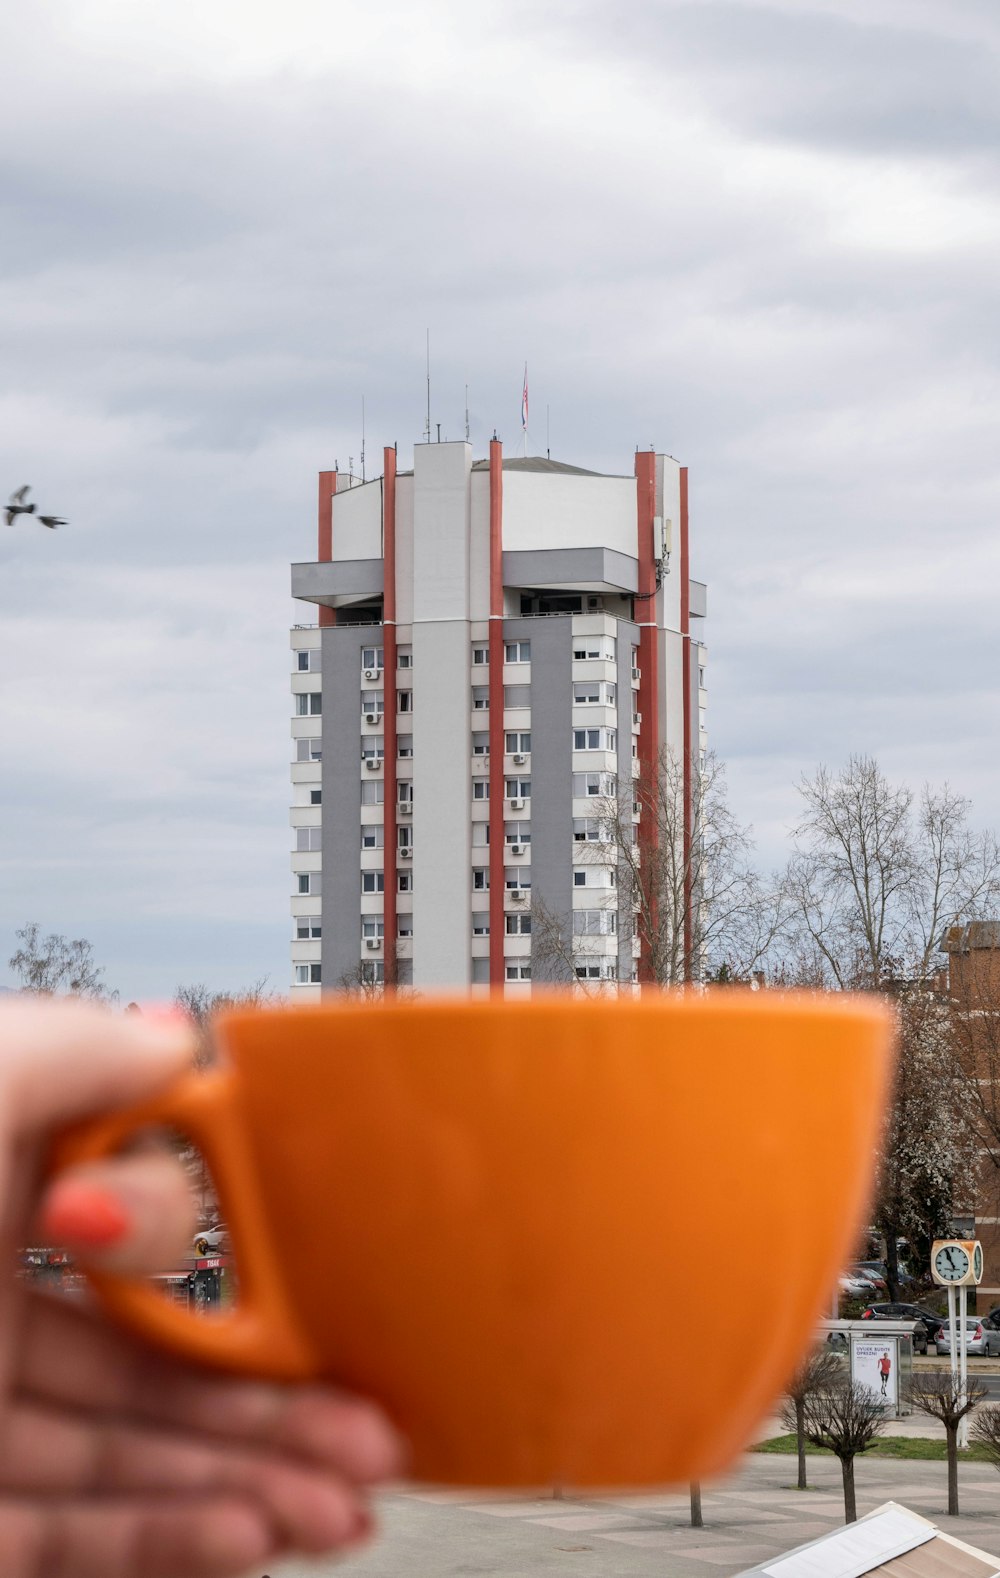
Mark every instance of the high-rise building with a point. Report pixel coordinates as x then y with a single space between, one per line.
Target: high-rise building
501 644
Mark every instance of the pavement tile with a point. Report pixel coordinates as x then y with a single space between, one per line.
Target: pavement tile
586 1520
749 1556
513 1509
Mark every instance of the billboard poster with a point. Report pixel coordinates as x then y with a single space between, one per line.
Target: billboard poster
875 1366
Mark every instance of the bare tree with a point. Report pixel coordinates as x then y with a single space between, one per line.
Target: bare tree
985 1431
877 874
202 1005
677 874
820 1371
54 965
940 1395
930 1145
846 1419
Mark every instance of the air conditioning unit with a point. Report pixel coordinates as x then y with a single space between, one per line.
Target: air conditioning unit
373 943
637 717
519 895
405 808
520 759
594 604
637 673
372 717
373 673
406 852
517 804
517 849
373 763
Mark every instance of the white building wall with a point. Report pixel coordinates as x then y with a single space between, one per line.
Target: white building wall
545 511
404 550
479 545
357 522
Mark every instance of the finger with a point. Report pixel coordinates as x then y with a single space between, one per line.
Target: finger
46 1452
132 1214
201 1539
72 1359
63 1059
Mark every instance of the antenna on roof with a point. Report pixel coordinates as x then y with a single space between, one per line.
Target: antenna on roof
427 424
466 413
362 438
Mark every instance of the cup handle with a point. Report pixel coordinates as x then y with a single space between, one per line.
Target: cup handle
260 1336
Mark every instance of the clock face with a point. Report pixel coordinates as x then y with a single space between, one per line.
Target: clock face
977 1262
951 1263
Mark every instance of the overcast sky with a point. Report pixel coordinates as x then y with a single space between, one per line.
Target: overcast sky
762 238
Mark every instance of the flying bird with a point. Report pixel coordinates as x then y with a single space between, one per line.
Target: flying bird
17 506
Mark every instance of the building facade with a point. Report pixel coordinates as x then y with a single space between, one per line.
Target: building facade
501 644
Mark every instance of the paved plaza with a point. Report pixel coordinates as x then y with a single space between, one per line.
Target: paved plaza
753 1515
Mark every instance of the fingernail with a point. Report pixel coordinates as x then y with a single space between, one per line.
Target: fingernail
85 1215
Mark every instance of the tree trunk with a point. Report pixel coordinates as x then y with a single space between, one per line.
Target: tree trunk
951 1435
850 1505
800 1434
892 1262
696 1519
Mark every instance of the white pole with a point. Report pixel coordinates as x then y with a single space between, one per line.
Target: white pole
952 1325
964 1361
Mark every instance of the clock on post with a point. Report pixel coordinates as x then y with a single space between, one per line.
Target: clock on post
957 1262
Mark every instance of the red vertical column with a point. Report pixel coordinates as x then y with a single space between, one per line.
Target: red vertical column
327 489
496 717
687 726
649 656
389 703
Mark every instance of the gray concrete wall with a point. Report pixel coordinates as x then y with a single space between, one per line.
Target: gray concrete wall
324 582
341 880
551 770
595 567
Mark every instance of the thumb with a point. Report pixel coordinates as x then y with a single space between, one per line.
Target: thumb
63 1059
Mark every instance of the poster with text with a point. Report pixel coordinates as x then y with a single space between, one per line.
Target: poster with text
874 1366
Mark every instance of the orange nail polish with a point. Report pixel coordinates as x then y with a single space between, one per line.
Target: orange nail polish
84 1215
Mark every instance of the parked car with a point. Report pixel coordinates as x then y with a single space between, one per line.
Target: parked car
992 1319
980 1340
872 1270
925 1325
210 1240
852 1287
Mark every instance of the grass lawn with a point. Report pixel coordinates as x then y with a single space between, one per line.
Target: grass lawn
889 1446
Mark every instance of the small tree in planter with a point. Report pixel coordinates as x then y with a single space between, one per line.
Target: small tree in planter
820 1371
845 1418
940 1395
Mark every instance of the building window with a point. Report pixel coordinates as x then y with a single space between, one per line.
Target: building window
404 882
480 698
604 970
481 656
587 829
517 925
372 972
404 925
595 739
307 881
517 972
404 701
372 657
579 879
480 923
308 751
592 690
480 744
595 923
605 647
593 784
517 788
372 791
372 701
404 794
404 657
308 838
404 745
480 788
372 836
480 834
517 695
308 662
309 704
514 741
517 832
373 881
315 797
308 928
480 972
404 838
373 747
480 879
372 926
307 975
517 652
515 877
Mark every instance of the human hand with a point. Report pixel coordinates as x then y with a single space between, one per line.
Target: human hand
115 1461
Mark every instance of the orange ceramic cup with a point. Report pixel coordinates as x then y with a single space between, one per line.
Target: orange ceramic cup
520 1226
